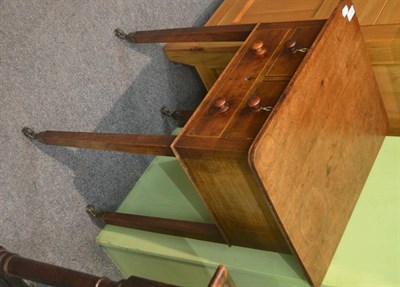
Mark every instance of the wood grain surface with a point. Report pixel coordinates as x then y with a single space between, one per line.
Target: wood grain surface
313 155
193 34
188 229
213 146
230 192
380 23
142 144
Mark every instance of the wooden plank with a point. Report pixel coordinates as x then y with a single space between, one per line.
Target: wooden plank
368 11
314 154
243 11
325 9
383 43
390 13
388 78
224 8
208 75
278 11
237 9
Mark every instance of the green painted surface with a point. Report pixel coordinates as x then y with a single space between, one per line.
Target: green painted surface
368 254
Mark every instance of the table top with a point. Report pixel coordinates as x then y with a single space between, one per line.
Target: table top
329 122
324 135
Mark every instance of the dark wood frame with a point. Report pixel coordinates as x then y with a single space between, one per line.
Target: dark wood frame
14 268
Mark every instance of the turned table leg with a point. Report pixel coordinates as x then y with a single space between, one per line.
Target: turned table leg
14 268
13 265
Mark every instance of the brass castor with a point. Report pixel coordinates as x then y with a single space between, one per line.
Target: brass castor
29 133
91 211
120 34
166 111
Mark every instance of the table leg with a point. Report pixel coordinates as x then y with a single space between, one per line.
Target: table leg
189 229
181 116
193 34
131 143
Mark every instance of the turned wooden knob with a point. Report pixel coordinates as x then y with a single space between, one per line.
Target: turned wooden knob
258 47
220 105
292 46
254 103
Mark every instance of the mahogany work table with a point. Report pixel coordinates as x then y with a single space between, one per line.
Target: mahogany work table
282 144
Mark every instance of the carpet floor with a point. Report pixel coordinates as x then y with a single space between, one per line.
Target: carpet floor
62 68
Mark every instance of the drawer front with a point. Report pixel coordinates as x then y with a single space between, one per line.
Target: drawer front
249 120
233 86
289 60
261 69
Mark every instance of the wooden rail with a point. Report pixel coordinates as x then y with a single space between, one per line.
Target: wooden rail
13 268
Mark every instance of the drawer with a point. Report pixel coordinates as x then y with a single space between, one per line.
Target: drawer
236 82
225 112
248 121
288 62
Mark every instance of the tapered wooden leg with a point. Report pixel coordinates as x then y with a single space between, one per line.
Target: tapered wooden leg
15 265
181 116
135 143
189 229
194 34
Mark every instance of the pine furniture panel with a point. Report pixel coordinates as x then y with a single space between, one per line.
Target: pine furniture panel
390 13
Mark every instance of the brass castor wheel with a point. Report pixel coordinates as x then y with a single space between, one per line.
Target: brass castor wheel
29 133
91 211
120 34
165 111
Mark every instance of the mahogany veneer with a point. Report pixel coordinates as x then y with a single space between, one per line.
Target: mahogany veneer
288 180
281 146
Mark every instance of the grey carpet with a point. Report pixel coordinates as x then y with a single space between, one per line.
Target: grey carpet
61 68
